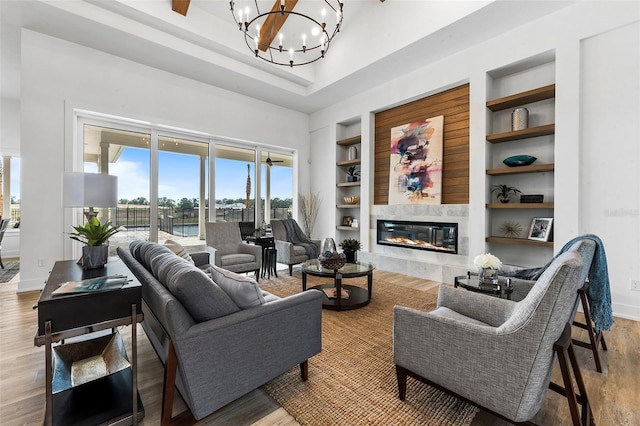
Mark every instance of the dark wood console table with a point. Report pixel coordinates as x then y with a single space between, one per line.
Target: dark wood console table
102 400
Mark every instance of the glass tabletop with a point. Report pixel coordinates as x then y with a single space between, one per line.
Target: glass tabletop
314 266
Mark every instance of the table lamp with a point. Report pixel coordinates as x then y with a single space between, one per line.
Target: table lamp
89 190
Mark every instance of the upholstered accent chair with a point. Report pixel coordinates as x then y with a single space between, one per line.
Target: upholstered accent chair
3 227
586 249
229 251
495 353
289 253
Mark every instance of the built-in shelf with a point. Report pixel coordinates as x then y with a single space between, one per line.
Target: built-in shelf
347 228
348 163
520 206
530 96
345 184
520 242
522 169
349 141
531 132
348 206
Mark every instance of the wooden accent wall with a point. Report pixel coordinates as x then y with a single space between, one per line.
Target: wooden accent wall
454 105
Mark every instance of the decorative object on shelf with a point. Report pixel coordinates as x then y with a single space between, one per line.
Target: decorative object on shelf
353 153
350 247
503 192
354 223
540 228
264 37
519 160
537 198
308 204
352 200
519 119
353 174
91 190
415 168
347 220
511 229
488 266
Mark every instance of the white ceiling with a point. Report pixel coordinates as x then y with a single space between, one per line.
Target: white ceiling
377 41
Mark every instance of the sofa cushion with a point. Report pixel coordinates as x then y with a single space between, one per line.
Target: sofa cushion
154 250
244 291
178 249
163 263
236 259
134 248
299 250
200 296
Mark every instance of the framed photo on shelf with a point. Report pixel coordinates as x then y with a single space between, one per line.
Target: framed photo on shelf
347 220
540 228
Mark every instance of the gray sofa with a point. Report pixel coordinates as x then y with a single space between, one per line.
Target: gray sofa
218 337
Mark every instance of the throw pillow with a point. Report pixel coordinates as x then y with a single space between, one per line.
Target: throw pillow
200 296
244 291
178 249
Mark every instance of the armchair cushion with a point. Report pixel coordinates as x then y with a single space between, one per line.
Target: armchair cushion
178 249
203 299
244 291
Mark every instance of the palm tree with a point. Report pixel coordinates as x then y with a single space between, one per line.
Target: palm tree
246 203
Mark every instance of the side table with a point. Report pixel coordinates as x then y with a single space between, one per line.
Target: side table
269 254
472 283
102 400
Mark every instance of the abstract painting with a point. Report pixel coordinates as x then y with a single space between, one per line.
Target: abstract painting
415 172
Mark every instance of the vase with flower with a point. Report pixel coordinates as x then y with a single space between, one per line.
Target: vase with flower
488 266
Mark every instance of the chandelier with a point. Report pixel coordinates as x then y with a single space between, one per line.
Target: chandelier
304 40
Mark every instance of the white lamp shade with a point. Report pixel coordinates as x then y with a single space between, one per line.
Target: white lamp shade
89 190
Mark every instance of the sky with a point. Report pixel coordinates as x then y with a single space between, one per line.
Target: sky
179 176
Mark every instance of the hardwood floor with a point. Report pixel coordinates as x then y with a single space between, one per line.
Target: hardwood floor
614 393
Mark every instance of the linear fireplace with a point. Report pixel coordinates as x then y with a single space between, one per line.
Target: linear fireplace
433 236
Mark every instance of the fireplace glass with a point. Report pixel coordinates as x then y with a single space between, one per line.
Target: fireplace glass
433 236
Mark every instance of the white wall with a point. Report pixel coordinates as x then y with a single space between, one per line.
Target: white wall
579 30
58 76
610 178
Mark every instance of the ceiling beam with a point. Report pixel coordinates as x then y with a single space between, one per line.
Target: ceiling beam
180 6
273 23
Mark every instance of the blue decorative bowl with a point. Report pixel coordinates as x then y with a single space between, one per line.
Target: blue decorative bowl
519 160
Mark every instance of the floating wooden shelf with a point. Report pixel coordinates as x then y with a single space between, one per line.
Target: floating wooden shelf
521 169
349 141
348 162
343 184
519 99
347 228
519 241
348 206
520 206
531 132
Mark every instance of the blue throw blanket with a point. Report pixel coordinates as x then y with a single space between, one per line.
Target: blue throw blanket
599 290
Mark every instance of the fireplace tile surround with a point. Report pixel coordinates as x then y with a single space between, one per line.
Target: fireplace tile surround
441 267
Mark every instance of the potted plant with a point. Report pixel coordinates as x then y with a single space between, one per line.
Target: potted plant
353 174
95 236
503 192
350 246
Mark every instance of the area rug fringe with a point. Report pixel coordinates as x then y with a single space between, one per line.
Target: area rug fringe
353 381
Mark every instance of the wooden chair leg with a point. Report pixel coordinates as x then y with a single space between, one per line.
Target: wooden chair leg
304 371
595 339
401 374
290 270
568 365
168 393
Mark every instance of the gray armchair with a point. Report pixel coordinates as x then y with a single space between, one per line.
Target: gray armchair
289 253
229 251
494 353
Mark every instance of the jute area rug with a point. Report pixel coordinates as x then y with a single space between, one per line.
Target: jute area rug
353 381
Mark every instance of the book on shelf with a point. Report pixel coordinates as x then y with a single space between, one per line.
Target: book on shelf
90 285
332 292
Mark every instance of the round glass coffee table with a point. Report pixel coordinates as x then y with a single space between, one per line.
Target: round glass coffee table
353 297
